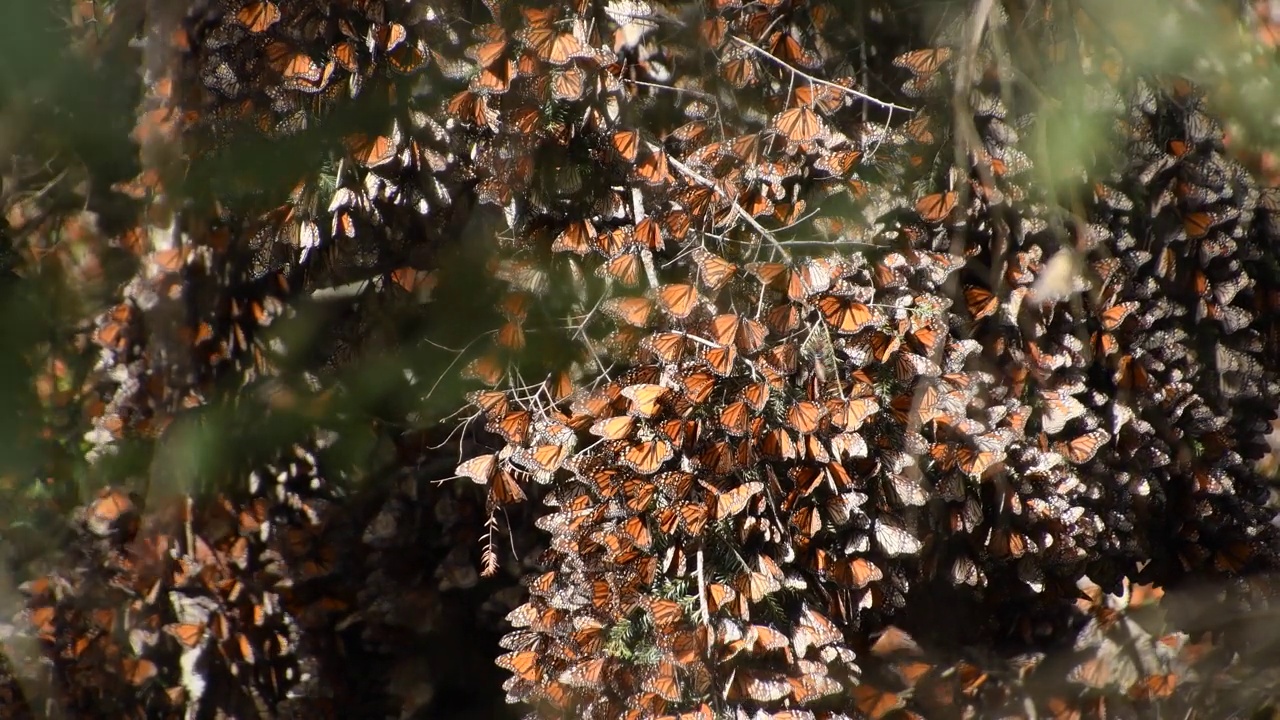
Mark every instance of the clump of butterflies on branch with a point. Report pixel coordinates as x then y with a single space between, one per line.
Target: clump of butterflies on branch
801 372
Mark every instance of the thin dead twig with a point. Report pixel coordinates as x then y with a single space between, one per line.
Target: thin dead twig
849 91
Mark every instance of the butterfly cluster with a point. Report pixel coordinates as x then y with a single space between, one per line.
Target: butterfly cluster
807 381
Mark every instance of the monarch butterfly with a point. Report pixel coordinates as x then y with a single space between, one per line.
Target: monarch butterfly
663 682
525 664
390 35
627 144
654 170
645 398
719 359
488 369
760 686
813 683
511 336
981 302
907 366
1004 542
635 527
808 278
1112 317
825 97
1082 449
844 314
777 444
807 520
258 15
857 572
613 242
719 595
732 502
346 55
552 46
805 416
923 62
735 419
713 270
765 580
894 641
588 634
850 414
648 456
838 163
666 613
189 634
975 462
543 458
1059 409
1094 672
894 540
799 124
698 385
674 484
756 395
512 426
472 108
493 44
738 67
1155 687
813 629
479 469
936 207
783 318
690 516
292 64
605 478
568 85
649 234
107 509
630 310
691 134
576 238
669 347
749 335
678 300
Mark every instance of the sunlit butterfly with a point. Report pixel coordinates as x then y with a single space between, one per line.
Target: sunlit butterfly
679 300
729 503
670 347
550 45
1082 449
799 124
844 314
647 457
755 585
719 358
749 335
645 398
807 278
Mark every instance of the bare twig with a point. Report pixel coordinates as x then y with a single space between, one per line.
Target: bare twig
848 91
672 88
702 596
